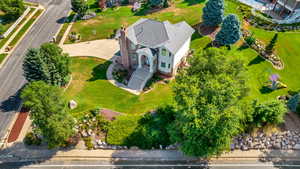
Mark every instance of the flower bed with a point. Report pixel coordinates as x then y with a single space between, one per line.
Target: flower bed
261 49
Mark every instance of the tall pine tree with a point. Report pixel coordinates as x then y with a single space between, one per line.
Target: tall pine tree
213 13
230 31
48 64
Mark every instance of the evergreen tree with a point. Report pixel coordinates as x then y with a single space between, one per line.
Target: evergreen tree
80 7
206 111
48 64
48 112
213 13
157 3
230 31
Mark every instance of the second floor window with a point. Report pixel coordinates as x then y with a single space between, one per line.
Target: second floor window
164 52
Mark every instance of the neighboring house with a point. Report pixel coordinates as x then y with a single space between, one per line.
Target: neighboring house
150 46
287 8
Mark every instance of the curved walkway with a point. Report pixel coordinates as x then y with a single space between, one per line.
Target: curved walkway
104 48
110 78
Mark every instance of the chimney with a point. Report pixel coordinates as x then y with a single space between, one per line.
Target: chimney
124 48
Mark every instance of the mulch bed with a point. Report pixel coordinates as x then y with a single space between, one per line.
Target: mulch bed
109 114
208 31
19 123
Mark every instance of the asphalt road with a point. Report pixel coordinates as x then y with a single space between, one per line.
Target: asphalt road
11 74
236 164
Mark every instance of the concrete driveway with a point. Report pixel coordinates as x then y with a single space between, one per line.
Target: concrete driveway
105 48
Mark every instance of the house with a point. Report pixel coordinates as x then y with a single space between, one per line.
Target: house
286 8
149 46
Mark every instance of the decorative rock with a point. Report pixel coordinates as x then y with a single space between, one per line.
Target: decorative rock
296 147
245 148
134 148
72 104
276 146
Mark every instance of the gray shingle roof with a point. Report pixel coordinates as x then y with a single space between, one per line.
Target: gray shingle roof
151 33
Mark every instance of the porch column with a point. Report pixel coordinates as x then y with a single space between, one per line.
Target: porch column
151 64
139 60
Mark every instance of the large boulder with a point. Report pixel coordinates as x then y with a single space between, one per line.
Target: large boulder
72 104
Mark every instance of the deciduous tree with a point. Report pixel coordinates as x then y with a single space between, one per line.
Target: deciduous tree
80 7
206 95
48 112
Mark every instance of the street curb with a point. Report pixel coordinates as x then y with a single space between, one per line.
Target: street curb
61 26
63 39
25 33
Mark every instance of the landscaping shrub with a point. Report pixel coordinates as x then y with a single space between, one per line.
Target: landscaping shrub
250 40
293 102
152 130
120 129
270 112
32 139
88 143
155 78
120 75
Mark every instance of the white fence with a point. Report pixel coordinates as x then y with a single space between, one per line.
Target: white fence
11 28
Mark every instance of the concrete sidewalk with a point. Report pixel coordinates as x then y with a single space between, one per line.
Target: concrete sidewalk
18 152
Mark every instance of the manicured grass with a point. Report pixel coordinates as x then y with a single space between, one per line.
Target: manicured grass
90 89
64 27
104 25
2 57
24 29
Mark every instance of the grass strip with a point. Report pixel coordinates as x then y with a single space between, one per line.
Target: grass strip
24 29
2 57
64 28
3 41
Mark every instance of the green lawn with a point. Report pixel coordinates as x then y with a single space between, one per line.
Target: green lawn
90 89
258 70
104 25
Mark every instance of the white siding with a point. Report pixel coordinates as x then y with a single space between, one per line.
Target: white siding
166 60
182 52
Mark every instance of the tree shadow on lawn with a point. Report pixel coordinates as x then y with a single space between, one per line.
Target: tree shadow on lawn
193 2
99 72
265 90
258 59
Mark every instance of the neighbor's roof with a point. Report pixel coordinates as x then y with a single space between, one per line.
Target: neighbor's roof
151 33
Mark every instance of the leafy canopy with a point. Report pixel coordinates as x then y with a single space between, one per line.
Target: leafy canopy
206 95
48 64
230 31
48 112
269 112
213 13
12 8
80 7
